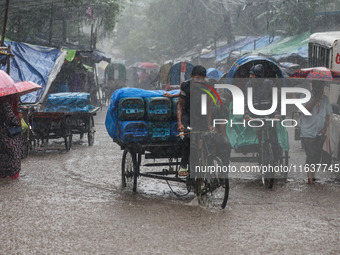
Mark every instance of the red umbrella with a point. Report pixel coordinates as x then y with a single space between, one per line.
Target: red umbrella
317 73
25 87
148 65
9 87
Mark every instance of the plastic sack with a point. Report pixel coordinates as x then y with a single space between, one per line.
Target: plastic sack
24 125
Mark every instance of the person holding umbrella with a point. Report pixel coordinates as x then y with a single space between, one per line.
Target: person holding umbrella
314 127
11 139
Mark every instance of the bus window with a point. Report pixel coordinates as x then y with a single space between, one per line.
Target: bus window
319 56
328 61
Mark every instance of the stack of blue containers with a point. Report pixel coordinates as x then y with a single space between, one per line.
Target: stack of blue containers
147 120
131 126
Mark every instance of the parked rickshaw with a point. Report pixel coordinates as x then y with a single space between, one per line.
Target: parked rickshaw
115 78
164 78
47 123
179 73
244 139
59 115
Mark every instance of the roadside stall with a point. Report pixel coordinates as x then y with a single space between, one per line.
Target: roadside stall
69 105
42 65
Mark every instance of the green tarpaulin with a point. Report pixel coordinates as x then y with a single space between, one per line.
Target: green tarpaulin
290 45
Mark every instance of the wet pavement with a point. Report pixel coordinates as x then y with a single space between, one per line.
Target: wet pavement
72 203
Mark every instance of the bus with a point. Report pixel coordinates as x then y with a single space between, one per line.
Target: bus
324 51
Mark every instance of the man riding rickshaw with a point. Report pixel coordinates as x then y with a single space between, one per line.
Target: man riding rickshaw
247 72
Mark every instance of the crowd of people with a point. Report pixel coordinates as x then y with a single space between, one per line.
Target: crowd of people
147 80
313 127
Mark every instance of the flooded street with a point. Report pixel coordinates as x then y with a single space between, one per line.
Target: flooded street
72 203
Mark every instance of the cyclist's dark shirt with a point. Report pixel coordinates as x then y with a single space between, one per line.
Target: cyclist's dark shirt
191 94
185 95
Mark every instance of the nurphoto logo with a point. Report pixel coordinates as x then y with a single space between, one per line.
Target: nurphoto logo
239 105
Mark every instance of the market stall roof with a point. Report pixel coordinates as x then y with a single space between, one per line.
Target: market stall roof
94 56
288 46
34 63
226 49
243 45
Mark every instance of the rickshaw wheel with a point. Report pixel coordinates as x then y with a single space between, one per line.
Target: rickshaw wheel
25 147
68 142
90 134
226 193
284 162
268 159
129 170
25 150
220 179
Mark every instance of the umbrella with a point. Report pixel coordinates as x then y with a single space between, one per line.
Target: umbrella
9 87
148 65
25 87
317 73
214 73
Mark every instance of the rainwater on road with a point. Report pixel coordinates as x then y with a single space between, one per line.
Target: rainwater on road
72 203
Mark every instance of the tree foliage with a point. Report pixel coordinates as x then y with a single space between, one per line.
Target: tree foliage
168 28
151 28
57 22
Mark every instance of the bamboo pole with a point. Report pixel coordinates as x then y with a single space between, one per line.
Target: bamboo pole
5 23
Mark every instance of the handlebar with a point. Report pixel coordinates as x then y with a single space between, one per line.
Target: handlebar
262 118
188 131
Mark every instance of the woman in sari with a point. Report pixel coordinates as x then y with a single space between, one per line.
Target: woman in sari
10 146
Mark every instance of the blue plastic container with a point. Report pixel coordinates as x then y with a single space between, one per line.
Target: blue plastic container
159 132
133 131
131 108
174 132
174 107
158 108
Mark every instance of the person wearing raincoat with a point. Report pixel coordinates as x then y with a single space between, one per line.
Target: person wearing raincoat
10 143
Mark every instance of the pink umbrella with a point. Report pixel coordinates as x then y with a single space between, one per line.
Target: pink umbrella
9 87
148 65
317 73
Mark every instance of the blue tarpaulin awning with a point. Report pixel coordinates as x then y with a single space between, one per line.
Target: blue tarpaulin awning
246 44
226 49
32 63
